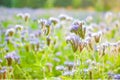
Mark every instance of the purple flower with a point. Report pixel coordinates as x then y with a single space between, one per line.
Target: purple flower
48 23
60 68
74 28
12 56
117 77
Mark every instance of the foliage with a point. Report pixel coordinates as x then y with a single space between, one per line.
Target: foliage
99 5
76 3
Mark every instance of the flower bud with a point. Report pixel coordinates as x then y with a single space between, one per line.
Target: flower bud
27 47
49 66
10 32
48 40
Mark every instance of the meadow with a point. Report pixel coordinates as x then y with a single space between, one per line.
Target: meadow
59 44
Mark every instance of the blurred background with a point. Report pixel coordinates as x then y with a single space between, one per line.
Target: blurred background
98 5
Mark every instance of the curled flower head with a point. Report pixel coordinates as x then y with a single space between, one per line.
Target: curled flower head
68 18
42 22
62 17
6 49
89 42
56 59
20 15
26 16
12 56
32 36
102 25
60 68
49 66
74 28
116 76
38 33
68 73
110 74
97 36
69 64
108 17
114 47
81 45
78 22
48 25
74 41
86 70
3 71
54 20
117 23
10 32
102 48
89 19
19 28
34 44
78 28
93 63
17 59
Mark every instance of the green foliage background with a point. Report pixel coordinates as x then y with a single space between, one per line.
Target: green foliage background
100 5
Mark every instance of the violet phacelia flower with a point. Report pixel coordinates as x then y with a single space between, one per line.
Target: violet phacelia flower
78 28
12 56
76 42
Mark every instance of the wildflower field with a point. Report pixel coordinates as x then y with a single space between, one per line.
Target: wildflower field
64 45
